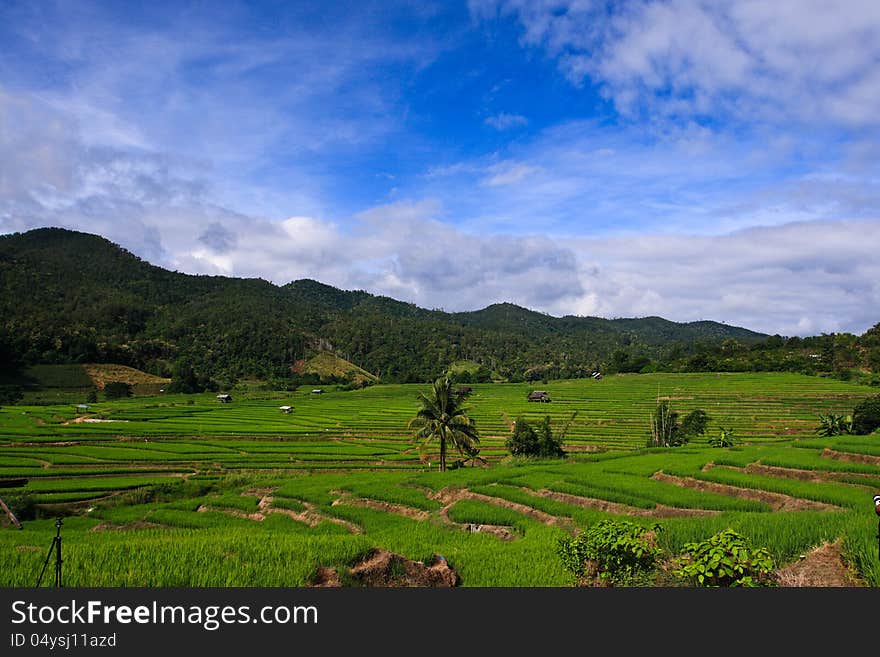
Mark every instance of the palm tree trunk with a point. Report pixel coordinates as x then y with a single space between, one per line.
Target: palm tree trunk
442 454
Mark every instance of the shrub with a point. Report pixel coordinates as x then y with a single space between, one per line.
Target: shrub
614 551
725 559
834 425
117 390
723 439
694 424
10 394
866 416
526 441
667 431
23 506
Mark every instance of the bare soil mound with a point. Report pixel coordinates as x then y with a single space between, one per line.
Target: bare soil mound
823 567
381 568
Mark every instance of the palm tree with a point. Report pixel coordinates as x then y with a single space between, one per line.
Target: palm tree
443 417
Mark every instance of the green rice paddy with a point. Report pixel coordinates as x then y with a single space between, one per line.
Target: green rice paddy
181 490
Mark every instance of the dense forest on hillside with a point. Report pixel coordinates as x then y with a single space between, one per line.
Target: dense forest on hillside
70 297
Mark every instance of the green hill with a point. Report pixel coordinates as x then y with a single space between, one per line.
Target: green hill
69 297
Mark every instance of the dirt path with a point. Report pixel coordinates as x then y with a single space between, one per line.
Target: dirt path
777 501
824 567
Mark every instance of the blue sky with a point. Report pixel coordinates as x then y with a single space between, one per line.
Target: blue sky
693 160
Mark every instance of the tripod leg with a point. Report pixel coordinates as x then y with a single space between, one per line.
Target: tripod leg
46 562
58 565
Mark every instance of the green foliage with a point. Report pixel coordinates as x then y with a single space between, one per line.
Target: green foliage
725 559
549 444
68 297
541 443
667 431
523 441
615 551
834 425
694 424
184 378
10 394
866 416
442 417
117 390
23 506
723 439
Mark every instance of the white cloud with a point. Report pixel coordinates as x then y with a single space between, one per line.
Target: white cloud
504 121
508 173
795 279
810 60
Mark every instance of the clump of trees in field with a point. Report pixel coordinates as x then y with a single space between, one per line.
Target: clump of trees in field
541 442
668 431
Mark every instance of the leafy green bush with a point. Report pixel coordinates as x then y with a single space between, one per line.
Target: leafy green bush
723 439
866 416
543 443
667 431
23 506
725 559
614 551
834 425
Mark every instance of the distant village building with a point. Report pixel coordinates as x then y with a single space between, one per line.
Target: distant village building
317 391
539 396
225 399
286 409
82 407
596 375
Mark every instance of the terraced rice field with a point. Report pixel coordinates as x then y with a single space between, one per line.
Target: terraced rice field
185 491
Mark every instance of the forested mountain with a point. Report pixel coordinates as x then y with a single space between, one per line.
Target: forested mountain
68 297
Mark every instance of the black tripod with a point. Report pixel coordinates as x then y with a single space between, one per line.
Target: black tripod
56 546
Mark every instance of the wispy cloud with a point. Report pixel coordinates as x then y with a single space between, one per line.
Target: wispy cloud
504 121
810 60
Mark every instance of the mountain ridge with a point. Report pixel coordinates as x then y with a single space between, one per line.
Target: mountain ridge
70 296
